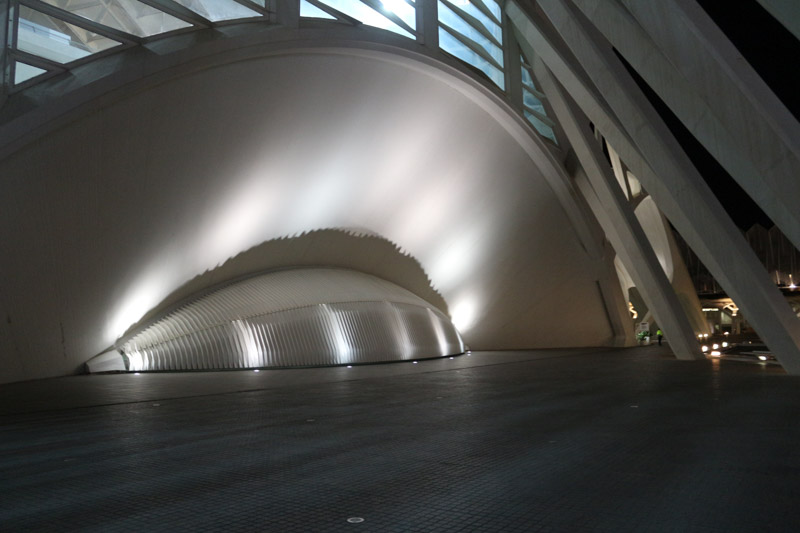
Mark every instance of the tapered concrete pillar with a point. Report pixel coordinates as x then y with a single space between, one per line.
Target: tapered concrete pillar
614 213
623 115
698 73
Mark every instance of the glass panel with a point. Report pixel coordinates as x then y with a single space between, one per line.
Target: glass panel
450 44
405 12
310 10
526 76
56 40
494 7
543 129
488 23
367 15
449 17
24 72
532 102
130 16
261 3
216 10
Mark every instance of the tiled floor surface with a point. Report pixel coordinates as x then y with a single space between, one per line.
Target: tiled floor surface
612 440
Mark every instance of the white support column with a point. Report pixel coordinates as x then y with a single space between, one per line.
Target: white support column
603 254
619 171
616 304
678 189
689 62
619 222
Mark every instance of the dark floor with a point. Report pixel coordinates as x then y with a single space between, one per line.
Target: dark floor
614 440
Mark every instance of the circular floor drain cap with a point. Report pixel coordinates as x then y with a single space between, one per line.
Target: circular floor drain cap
355 520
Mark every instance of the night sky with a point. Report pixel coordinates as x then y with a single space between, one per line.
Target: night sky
773 52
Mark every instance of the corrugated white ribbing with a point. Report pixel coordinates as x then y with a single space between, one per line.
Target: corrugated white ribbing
302 317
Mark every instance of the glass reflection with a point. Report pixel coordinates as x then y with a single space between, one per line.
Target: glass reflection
370 17
532 102
216 10
451 19
543 129
23 72
56 40
452 45
487 22
308 9
130 16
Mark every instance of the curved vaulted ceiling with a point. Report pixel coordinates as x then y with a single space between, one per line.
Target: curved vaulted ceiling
151 146
140 193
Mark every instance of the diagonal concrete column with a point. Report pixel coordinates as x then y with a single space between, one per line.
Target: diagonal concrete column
678 189
619 222
698 73
616 304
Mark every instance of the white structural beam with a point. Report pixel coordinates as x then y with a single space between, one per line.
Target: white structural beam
698 73
786 11
624 116
619 222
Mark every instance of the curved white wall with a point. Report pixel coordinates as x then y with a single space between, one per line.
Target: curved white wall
104 217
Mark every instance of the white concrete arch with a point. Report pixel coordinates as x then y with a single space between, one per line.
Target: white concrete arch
114 203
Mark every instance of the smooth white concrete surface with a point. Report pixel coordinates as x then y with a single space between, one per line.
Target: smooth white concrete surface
137 193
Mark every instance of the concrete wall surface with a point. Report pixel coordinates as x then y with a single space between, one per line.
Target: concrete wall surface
105 216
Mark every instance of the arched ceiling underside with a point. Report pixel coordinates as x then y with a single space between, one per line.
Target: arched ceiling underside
110 213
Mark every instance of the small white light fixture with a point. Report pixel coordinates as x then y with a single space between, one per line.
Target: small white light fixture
700 336
762 357
715 346
715 354
705 335
256 370
727 333
136 374
725 344
349 366
415 362
704 348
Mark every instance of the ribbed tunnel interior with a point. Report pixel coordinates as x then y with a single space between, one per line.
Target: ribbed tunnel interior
296 317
